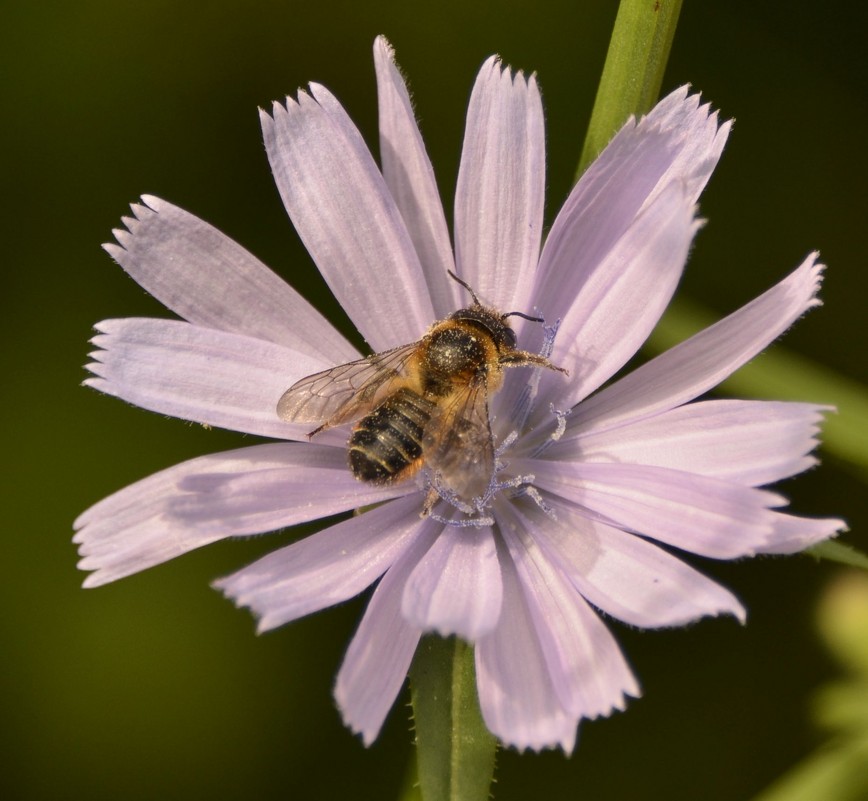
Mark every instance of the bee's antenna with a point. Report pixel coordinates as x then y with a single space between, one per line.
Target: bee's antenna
465 285
478 303
524 317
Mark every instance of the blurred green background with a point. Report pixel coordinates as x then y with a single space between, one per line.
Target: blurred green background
156 687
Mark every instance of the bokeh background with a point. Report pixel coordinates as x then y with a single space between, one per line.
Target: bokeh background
156 687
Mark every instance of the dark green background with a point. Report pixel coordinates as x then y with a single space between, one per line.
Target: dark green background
156 687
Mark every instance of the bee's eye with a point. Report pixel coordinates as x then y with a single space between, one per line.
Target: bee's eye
509 337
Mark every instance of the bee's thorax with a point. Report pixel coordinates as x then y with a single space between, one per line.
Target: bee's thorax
453 355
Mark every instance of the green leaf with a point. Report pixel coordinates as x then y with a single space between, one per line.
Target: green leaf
842 620
455 751
836 773
843 706
837 770
633 73
836 551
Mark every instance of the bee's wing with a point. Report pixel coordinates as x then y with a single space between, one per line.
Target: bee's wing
345 392
458 443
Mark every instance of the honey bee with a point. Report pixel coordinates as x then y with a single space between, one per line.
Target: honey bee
425 403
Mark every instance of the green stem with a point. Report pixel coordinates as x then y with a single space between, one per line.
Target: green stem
633 73
455 750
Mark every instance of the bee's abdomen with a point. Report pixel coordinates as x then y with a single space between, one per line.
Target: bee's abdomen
389 440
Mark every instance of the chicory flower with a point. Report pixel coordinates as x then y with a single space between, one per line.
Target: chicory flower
590 479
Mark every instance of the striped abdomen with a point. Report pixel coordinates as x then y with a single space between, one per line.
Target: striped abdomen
388 442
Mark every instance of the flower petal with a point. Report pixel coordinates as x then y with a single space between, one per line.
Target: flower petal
456 587
703 361
209 280
382 649
747 442
793 534
499 197
586 665
325 568
517 698
606 318
695 513
410 178
308 482
701 140
199 374
180 509
344 214
678 142
626 576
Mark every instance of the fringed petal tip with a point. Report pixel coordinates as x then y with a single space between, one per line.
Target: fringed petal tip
358 717
813 272
100 571
732 607
103 566
694 131
86 562
567 744
313 94
383 46
792 534
565 737
680 106
107 564
92 580
562 730
368 736
240 600
279 110
494 68
246 600
150 206
227 587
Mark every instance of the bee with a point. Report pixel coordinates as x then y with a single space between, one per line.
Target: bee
422 404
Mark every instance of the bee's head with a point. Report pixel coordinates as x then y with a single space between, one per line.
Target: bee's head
490 320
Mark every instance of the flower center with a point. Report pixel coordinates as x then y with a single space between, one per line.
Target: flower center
476 512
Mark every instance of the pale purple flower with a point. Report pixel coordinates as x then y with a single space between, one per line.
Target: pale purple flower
601 479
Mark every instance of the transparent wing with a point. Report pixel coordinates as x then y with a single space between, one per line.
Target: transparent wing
458 443
345 392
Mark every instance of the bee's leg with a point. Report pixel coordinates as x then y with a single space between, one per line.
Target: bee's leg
522 358
431 497
319 429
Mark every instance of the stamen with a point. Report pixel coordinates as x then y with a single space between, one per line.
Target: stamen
464 522
536 495
525 402
560 428
549 333
562 415
436 487
476 510
474 514
506 443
